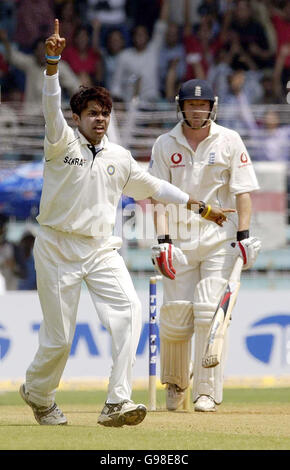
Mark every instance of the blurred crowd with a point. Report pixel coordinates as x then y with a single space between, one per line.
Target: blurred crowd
147 47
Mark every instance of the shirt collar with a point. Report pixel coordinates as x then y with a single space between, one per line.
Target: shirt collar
177 133
103 144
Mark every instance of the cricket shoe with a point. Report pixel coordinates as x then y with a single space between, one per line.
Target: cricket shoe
205 403
120 414
175 395
50 416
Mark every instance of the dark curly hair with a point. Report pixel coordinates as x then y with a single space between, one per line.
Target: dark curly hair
79 100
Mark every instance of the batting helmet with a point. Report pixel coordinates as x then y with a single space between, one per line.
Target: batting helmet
197 89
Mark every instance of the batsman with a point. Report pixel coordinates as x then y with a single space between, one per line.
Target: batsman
200 157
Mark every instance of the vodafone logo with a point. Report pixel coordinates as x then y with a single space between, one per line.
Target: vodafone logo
176 158
244 158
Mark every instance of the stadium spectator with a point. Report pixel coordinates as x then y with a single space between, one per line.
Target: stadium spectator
4 69
211 8
115 43
236 112
33 65
180 9
9 114
201 47
68 18
144 12
272 140
282 70
111 14
137 67
27 280
33 20
262 11
271 93
250 34
7 16
219 72
208 7
171 63
84 58
281 22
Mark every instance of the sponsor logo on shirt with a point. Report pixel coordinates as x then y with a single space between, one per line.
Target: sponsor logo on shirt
110 169
75 161
244 159
176 159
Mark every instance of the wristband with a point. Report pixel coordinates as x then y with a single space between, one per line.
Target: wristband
242 234
202 207
164 239
51 63
207 212
53 58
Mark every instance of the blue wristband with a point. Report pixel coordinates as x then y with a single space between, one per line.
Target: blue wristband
55 58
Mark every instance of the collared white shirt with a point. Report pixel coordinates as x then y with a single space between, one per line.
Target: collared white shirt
80 192
216 172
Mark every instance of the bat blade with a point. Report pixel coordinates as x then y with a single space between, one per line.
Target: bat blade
221 318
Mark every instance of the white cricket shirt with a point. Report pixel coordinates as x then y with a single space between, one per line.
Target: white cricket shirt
80 193
216 172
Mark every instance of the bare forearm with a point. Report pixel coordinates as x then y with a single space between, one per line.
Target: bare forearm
160 218
164 13
51 69
244 209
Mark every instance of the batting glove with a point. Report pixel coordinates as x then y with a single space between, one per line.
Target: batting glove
249 249
162 257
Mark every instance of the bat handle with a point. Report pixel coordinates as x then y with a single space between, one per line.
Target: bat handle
236 272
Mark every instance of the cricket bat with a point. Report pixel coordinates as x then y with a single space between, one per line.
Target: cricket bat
221 318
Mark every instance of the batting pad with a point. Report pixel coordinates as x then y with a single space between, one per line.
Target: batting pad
176 330
206 298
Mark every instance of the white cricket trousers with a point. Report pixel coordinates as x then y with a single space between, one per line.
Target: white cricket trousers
212 258
62 262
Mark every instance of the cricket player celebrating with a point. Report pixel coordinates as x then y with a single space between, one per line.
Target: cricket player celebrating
200 157
84 177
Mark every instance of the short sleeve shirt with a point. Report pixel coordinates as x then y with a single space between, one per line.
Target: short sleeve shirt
216 172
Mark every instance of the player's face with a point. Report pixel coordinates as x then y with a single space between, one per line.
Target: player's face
196 111
93 122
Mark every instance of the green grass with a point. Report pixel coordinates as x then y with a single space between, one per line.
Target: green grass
248 419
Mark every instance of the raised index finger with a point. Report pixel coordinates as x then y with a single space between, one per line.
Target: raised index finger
56 26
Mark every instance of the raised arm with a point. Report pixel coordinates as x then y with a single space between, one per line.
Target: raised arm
14 57
51 98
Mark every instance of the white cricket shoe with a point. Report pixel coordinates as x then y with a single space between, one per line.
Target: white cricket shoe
120 414
50 416
205 403
174 397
